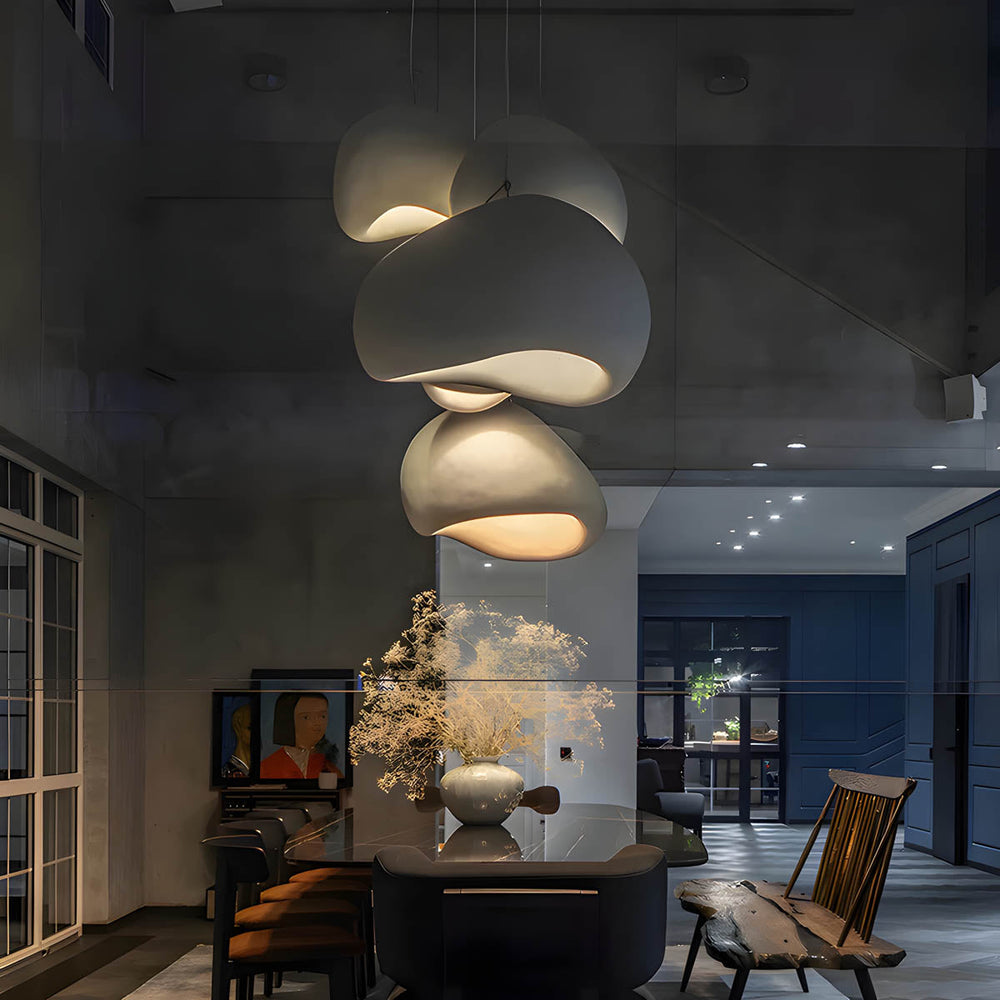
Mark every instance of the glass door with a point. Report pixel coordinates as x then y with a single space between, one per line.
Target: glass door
40 779
713 687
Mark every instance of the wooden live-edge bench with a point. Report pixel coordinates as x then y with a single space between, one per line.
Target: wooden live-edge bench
764 925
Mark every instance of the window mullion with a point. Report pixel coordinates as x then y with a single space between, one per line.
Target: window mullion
37 766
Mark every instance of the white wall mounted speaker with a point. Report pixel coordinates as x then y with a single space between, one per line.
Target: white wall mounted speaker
964 399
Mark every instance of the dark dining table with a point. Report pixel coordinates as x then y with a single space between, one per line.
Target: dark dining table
575 832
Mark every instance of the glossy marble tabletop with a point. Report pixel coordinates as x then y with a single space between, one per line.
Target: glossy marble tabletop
575 832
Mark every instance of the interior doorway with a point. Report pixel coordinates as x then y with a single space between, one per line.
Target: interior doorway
712 685
950 750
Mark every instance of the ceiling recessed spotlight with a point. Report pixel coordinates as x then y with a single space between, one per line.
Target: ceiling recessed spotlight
749 517
487 565
939 468
718 543
732 531
795 444
798 498
753 534
887 548
738 548
265 72
853 542
774 517
768 501
760 465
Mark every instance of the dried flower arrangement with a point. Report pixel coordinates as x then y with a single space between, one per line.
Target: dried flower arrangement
474 681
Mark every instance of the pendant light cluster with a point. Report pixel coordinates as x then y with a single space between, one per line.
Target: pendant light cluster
514 283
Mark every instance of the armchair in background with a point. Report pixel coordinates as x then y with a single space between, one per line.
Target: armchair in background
684 808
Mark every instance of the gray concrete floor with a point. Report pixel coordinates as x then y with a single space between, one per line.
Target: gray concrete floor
947 919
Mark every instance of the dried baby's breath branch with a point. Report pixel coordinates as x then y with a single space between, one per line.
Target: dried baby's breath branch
474 681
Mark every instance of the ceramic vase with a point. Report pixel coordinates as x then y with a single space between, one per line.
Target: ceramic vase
483 793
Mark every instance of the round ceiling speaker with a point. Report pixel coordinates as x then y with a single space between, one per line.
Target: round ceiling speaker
527 296
394 171
501 481
540 157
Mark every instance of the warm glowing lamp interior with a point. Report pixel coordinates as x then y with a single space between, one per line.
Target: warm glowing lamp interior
464 398
403 220
526 537
548 376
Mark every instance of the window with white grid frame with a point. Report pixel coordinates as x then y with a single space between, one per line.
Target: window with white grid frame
40 777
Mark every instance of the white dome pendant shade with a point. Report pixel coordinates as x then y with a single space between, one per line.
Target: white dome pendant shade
540 157
504 483
394 171
527 296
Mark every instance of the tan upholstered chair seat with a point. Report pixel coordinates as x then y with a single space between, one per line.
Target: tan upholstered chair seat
300 890
312 875
290 944
317 910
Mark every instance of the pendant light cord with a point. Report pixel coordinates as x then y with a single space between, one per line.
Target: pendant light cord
506 53
541 104
506 82
475 67
413 85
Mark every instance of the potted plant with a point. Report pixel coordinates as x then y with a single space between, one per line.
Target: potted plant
479 683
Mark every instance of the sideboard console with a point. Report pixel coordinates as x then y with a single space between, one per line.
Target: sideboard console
234 803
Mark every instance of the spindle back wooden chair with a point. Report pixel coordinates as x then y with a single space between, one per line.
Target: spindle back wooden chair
757 924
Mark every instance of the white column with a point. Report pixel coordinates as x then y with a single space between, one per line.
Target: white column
595 596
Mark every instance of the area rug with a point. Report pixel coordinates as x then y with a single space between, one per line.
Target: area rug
190 978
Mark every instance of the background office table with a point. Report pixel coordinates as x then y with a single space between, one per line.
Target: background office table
576 832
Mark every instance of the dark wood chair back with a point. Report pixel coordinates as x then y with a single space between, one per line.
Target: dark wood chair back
291 818
866 809
272 838
240 858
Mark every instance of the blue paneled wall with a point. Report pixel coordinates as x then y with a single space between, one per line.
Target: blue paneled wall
965 543
846 666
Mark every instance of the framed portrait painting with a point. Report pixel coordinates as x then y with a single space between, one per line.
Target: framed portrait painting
304 725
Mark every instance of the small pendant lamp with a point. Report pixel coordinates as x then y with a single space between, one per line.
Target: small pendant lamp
539 156
501 481
394 171
528 296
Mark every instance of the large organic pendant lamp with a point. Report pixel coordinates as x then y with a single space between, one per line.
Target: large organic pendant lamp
539 156
394 171
527 296
504 483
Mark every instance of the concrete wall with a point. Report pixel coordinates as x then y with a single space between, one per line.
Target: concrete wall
114 717
70 294
237 584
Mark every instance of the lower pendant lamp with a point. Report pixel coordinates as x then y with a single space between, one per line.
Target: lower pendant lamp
539 156
501 481
527 296
394 171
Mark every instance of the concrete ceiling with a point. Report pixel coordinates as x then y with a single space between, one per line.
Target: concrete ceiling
803 283
827 530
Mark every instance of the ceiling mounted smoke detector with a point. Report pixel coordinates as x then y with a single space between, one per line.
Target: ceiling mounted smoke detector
727 75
